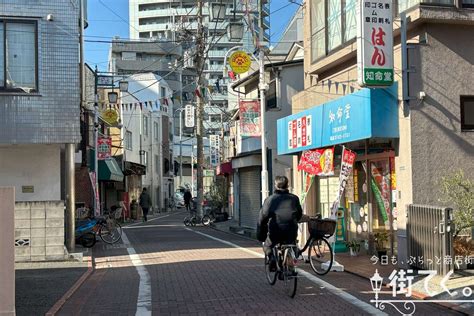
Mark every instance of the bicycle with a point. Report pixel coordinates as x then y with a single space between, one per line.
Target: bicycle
286 261
109 229
320 254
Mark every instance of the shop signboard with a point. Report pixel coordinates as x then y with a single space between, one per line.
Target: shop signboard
110 116
189 116
249 118
361 115
375 43
104 147
318 162
240 62
214 149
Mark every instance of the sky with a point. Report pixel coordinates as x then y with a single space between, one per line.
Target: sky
109 18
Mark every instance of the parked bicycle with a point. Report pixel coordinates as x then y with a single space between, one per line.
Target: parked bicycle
106 227
194 219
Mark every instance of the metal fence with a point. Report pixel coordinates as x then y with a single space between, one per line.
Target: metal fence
430 238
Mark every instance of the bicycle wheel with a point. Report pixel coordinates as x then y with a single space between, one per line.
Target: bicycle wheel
320 256
110 232
206 220
88 240
290 278
271 275
187 221
194 221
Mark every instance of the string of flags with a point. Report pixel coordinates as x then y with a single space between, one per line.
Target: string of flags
161 105
336 84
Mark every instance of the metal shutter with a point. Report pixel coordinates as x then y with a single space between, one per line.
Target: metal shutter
250 192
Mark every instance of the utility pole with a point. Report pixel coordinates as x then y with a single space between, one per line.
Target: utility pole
200 108
262 87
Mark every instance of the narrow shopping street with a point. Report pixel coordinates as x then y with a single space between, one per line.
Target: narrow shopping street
177 270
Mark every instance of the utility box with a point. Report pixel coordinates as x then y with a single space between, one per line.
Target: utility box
7 251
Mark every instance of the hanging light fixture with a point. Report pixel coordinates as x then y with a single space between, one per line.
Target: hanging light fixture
218 12
113 97
235 31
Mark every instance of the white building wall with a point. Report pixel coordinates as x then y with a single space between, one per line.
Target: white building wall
32 165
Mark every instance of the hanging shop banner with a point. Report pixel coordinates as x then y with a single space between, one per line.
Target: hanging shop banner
110 116
189 116
381 188
249 118
95 188
375 43
347 162
240 62
104 147
319 162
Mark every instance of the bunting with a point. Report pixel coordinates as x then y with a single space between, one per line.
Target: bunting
150 104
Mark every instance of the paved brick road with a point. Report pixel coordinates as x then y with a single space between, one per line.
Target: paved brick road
194 274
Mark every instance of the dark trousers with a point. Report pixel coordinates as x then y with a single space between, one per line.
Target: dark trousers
145 213
272 241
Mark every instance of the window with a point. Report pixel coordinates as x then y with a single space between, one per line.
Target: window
128 140
145 158
467 113
333 23
18 55
145 125
163 92
157 163
155 127
468 3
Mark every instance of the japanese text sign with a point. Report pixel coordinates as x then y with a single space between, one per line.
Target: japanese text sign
375 43
299 132
240 62
189 116
249 118
104 148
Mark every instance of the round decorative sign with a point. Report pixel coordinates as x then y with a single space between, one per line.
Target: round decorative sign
240 62
110 116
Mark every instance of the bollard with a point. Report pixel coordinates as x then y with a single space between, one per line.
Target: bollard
7 251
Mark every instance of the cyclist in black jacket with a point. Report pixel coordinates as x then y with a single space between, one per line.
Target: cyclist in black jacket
278 220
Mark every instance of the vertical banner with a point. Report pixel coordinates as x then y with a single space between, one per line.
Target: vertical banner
189 116
95 189
375 43
348 158
104 147
214 146
318 162
249 118
381 188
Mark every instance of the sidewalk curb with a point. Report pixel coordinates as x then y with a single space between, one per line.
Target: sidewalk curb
60 303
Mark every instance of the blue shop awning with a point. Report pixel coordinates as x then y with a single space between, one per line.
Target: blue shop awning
368 113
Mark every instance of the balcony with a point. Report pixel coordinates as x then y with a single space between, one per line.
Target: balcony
217 53
214 68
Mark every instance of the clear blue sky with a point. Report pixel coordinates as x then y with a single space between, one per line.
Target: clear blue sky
104 24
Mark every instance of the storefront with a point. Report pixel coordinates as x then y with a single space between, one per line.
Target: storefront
366 122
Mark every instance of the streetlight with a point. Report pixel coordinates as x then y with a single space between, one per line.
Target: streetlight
123 86
218 12
235 31
113 97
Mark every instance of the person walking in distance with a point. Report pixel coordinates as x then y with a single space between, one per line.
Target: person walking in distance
145 203
187 200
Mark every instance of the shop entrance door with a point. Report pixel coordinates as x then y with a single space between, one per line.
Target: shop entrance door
383 218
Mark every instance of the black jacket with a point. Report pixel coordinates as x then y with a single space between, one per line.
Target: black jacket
279 216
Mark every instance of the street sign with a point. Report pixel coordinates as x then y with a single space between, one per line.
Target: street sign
375 43
189 116
240 62
105 81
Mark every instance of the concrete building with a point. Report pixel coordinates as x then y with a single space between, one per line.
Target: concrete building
415 141
39 116
147 135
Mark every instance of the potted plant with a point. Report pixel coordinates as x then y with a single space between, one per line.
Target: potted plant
353 246
380 239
